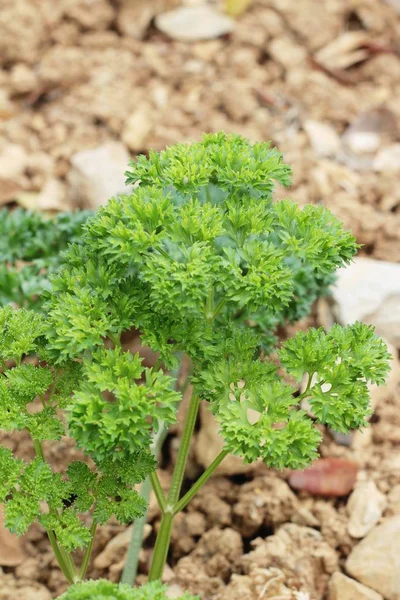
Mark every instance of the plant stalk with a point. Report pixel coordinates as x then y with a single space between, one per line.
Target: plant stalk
184 501
88 552
132 558
164 535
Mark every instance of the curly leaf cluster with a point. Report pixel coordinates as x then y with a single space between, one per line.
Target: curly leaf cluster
343 361
30 249
199 240
112 412
106 590
258 413
31 396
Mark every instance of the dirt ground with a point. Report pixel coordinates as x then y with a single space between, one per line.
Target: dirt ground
322 81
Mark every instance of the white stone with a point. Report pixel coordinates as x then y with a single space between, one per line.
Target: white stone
387 159
98 174
365 507
369 290
194 23
375 561
345 588
361 142
323 138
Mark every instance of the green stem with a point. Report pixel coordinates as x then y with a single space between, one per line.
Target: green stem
132 557
184 501
70 577
164 535
161 548
159 492
88 552
63 558
187 434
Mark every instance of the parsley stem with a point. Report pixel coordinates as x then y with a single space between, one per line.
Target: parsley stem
164 534
60 559
63 558
159 492
88 552
184 501
132 557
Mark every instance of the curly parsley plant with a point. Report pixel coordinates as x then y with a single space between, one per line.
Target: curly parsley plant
203 262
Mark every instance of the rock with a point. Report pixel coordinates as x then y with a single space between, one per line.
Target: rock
194 23
19 590
12 161
365 507
323 138
23 79
255 585
326 477
387 159
134 18
11 553
300 553
90 14
375 561
369 290
209 444
264 502
98 174
136 129
52 197
344 588
116 548
8 191
17 16
370 130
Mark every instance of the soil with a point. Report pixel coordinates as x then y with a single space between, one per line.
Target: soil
71 82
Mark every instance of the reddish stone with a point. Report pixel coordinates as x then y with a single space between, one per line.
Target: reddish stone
326 477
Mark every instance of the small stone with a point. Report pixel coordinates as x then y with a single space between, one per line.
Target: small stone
98 174
326 477
375 561
345 588
365 507
136 129
387 159
23 79
12 161
370 130
194 23
134 18
323 138
369 290
52 196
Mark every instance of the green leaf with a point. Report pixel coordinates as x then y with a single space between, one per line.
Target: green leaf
71 533
10 471
106 590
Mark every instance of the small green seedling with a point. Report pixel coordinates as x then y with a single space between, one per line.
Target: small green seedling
203 262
